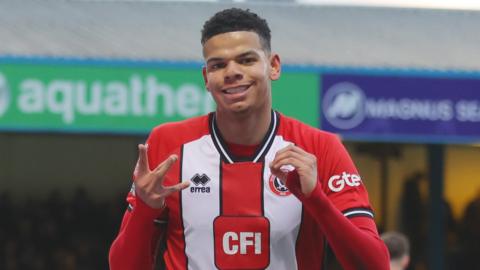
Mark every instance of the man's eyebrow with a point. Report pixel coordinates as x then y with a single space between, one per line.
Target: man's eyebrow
214 59
247 53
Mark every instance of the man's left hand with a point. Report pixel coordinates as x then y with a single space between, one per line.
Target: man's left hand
303 162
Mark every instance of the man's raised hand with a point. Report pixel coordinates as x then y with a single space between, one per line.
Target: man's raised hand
149 184
304 163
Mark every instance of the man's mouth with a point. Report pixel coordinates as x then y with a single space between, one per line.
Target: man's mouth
236 90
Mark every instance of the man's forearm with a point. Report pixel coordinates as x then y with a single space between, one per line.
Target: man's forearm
354 241
135 244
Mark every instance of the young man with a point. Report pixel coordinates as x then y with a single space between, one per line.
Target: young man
245 187
399 249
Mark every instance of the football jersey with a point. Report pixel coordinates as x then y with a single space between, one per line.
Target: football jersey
237 215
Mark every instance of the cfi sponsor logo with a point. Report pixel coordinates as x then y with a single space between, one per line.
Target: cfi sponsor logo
344 105
277 187
234 243
337 183
4 94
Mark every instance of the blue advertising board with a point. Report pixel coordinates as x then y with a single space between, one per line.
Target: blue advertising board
400 108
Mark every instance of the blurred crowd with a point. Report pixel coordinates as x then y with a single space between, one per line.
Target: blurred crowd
461 235
57 233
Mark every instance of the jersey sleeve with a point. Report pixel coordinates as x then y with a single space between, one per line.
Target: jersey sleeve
341 181
339 205
141 227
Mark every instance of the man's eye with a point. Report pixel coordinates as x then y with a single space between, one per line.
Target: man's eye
247 60
216 66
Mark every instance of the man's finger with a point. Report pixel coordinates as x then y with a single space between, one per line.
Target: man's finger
162 169
280 174
280 159
285 149
299 150
142 163
287 163
292 148
175 188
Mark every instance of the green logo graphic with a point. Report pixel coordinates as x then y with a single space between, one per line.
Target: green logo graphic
4 95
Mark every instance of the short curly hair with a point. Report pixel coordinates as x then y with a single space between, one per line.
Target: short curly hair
397 244
236 19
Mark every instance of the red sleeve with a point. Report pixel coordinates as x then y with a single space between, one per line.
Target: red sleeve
354 239
136 242
135 245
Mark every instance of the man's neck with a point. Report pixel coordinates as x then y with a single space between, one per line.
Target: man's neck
246 129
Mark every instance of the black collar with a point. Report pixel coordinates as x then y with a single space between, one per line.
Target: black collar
262 148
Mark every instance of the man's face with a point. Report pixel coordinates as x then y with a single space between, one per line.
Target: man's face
238 72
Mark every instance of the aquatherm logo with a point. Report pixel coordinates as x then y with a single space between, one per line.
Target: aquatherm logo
4 94
344 105
137 97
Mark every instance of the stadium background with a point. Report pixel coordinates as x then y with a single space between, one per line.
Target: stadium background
64 173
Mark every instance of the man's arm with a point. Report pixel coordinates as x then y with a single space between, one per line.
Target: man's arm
135 245
354 241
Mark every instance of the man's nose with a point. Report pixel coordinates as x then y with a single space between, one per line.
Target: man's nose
233 72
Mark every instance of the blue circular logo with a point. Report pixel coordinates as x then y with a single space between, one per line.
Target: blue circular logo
344 105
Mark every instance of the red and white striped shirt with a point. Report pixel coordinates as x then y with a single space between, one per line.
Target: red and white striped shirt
236 214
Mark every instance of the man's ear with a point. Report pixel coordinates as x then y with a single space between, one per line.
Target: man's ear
275 67
204 73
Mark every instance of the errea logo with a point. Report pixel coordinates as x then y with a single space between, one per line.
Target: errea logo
4 94
200 182
336 183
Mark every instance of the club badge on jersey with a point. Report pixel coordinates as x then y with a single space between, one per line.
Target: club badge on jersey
277 187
